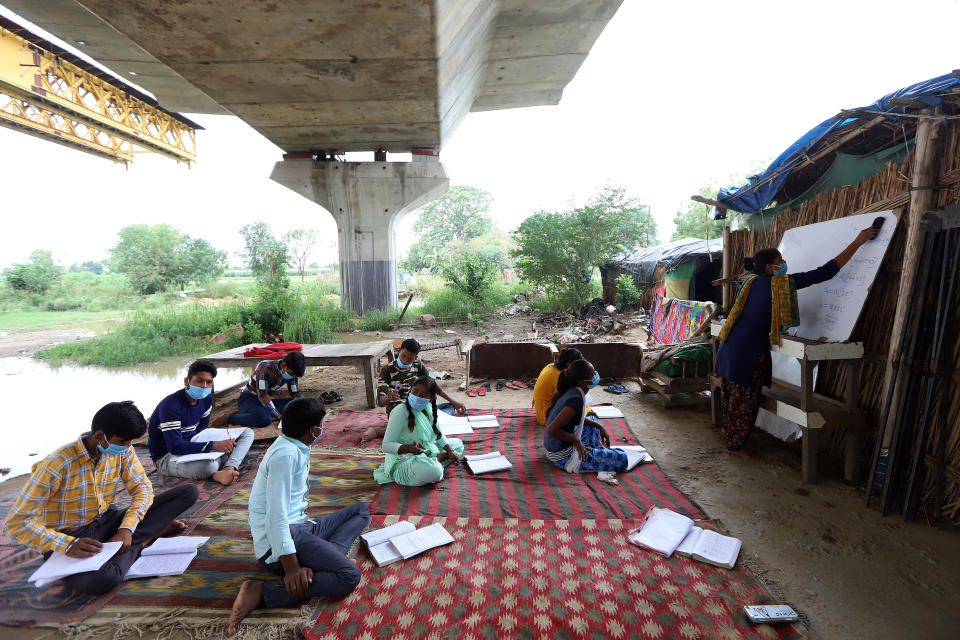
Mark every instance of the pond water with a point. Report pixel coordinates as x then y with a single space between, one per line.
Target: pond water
50 406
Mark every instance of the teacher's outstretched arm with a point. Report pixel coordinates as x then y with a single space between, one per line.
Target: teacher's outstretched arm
862 238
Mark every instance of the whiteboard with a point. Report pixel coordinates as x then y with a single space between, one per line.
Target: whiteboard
830 309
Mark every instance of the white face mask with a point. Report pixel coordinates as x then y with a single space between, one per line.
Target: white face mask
317 439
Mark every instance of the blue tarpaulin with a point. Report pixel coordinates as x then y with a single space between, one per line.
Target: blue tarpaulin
762 188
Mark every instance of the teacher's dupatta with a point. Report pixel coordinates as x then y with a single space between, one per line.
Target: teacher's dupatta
785 312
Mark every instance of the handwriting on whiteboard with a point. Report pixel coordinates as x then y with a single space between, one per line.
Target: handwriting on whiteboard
830 310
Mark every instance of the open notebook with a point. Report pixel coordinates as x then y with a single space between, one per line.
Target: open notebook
488 462
166 557
403 540
710 547
606 411
207 435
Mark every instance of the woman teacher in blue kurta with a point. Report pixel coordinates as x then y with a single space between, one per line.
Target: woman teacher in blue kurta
765 305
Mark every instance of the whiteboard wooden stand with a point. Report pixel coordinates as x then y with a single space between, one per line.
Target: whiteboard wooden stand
801 405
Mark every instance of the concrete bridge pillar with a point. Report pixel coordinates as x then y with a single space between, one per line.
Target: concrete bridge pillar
366 199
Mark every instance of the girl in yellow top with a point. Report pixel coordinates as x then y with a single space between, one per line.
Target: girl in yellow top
547 382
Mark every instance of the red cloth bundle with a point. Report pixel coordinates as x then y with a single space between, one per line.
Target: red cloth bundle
272 351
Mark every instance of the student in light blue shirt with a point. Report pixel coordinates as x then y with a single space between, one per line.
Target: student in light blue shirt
311 555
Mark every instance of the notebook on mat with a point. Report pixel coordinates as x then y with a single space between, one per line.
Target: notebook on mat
403 540
662 531
488 462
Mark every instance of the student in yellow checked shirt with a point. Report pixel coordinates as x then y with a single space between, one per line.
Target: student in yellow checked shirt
67 504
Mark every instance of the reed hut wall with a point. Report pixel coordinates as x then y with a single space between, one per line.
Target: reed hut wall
887 189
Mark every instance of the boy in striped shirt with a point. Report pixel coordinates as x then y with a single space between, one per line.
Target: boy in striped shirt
180 417
67 504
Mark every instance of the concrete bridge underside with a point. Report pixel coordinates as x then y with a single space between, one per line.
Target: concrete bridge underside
318 76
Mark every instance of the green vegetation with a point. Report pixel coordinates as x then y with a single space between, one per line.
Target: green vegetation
152 335
51 319
36 276
374 320
558 251
449 302
159 257
627 292
315 322
472 275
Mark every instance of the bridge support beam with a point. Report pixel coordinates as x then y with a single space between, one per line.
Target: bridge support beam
366 199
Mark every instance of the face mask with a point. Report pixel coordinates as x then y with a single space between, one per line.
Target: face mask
286 376
317 439
403 366
112 449
595 380
782 271
198 393
417 403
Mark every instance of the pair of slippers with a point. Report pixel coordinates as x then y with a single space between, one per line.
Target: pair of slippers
330 396
479 391
616 388
515 384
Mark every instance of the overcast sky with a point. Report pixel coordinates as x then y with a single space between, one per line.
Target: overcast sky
674 95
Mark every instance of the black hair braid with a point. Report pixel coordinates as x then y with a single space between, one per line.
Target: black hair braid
433 403
406 401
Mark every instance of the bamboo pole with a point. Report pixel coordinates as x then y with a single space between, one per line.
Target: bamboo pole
921 195
727 270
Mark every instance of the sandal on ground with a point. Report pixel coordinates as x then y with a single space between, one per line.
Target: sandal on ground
510 385
486 385
517 384
330 397
481 391
500 385
472 393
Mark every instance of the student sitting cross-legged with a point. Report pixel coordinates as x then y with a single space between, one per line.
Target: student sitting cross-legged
67 504
573 442
181 416
413 443
310 554
256 405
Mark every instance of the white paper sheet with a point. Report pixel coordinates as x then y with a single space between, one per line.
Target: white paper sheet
486 417
690 542
662 531
454 429
176 544
379 536
384 554
485 424
410 544
58 565
607 411
635 455
444 418
191 457
165 564
488 463
215 435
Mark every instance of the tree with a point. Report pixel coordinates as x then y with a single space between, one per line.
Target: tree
265 254
300 243
460 214
616 199
559 251
695 219
200 261
154 258
36 276
95 268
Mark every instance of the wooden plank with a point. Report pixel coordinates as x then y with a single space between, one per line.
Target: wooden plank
808 464
799 347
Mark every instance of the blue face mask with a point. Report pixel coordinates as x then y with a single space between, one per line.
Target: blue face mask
112 449
417 403
782 271
198 393
595 380
286 376
403 366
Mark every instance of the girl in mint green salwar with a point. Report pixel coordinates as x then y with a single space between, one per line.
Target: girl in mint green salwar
415 449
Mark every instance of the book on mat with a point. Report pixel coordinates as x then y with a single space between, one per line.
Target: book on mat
662 531
166 557
59 565
403 540
717 549
207 435
473 422
635 455
488 462
606 411
485 420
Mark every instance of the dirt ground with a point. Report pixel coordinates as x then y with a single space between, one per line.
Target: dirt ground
847 571
20 344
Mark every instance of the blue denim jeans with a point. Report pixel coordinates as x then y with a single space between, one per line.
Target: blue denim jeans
252 413
321 545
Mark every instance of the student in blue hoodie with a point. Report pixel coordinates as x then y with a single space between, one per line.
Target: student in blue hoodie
180 417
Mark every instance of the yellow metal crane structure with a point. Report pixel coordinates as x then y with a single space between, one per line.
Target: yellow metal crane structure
49 93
